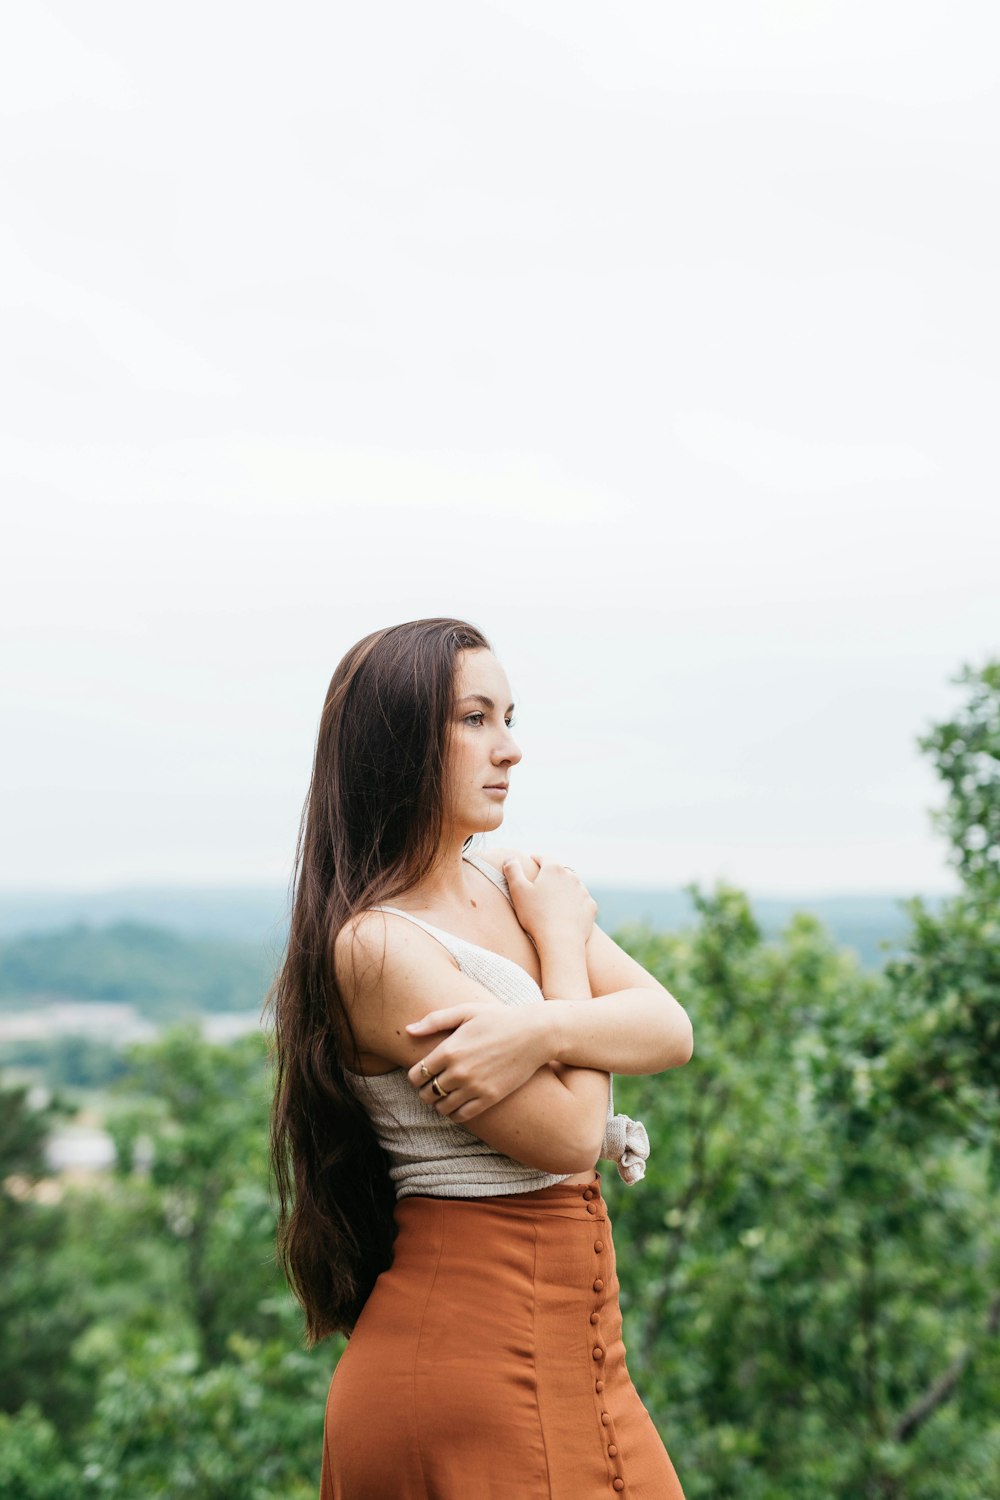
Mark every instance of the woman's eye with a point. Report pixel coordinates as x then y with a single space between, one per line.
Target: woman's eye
479 715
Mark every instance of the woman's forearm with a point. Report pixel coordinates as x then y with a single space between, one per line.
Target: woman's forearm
634 1030
564 967
630 1031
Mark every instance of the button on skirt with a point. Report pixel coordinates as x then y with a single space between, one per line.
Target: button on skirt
488 1361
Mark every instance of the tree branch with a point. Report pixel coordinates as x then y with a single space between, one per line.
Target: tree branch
943 1388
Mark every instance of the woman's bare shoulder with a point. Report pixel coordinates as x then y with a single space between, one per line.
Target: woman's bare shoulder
360 942
371 945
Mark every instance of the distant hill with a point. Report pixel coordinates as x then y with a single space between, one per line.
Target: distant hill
254 914
164 975
873 926
174 950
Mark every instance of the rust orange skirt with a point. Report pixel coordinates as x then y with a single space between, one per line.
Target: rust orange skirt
488 1361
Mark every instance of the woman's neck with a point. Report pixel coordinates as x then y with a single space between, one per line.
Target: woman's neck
446 887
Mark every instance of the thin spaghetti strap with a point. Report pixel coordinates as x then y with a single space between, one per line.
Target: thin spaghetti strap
435 932
491 873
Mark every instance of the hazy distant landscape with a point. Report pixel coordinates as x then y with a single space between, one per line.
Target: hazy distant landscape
227 937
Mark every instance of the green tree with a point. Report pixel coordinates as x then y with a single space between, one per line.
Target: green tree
202 1386
947 1063
966 753
805 1253
33 1465
198 1127
248 1428
38 1319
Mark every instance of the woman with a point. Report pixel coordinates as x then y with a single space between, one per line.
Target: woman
446 1024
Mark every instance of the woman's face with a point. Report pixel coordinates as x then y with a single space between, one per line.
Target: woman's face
482 749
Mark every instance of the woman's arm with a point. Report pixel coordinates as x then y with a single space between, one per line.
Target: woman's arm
390 972
632 1032
637 1028
632 1025
483 1050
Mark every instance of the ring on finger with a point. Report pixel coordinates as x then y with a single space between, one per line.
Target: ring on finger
426 1072
441 1093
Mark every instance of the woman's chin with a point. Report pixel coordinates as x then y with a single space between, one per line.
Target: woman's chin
487 822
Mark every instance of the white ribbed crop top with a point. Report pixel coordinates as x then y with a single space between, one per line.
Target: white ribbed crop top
432 1155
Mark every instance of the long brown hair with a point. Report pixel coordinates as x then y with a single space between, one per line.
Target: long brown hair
371 827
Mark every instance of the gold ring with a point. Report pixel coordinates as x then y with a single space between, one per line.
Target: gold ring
425 1072
441 1093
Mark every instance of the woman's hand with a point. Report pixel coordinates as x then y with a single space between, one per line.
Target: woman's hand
492 1050
555 906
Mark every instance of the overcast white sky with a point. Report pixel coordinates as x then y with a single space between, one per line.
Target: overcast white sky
660 342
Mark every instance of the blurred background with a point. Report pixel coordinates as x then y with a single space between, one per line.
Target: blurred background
660 346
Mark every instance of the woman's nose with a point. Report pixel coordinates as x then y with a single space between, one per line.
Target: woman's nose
511 750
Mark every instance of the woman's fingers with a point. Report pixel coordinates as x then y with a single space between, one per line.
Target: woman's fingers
444 1023
469 1110
441 1105
456 1101
483 1061
433 1084
461 1102
444 1020
422 1072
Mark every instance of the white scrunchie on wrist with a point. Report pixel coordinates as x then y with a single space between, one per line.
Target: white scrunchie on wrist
627 1145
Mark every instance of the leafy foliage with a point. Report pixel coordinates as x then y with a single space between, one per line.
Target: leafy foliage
33 1464
37 1313
175 1365
811 1251
966 753
247 1428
